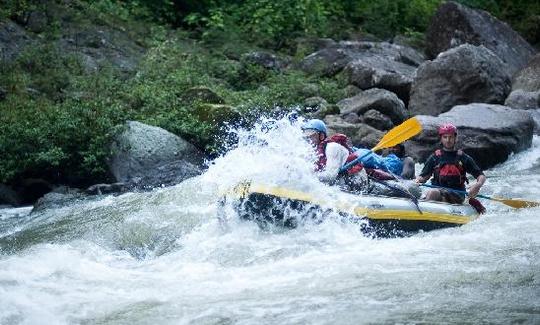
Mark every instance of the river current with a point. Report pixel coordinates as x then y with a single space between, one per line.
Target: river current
164 257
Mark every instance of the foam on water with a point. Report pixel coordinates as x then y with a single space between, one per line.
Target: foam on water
163 257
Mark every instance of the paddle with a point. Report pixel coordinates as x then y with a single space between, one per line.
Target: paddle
518 204
398 134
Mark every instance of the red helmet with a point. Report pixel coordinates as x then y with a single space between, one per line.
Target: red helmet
447 128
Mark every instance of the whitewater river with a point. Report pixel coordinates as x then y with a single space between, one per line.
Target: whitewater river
163 257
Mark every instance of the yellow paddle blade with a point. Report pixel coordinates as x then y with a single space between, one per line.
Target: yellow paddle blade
518 204
400 133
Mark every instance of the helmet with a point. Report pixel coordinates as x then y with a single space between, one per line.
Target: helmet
315 124
447 128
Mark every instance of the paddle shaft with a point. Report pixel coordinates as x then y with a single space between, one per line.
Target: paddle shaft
398 134
354 162
514 203
454 190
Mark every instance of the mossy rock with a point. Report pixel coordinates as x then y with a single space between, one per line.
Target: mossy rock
202 94
216 113
330 109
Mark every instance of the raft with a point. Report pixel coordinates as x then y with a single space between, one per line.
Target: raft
378 216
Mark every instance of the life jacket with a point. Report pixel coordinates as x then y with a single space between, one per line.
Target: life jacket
342 140
393 163
450 173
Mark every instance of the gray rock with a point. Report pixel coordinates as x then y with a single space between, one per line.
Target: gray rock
325 62
166 174
380 100
314 103
378 120
379 72
352 90
352 118
54 200
528 79
13 40
535 113
266 60
361 135
100 189
454 24
321 113
140 149
101 46
309 45
386 60
521 99
462 75
489 133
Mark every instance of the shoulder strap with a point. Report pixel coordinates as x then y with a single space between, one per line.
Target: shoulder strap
342 139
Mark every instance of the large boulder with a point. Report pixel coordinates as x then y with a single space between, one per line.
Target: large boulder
489 133
368 64
141 151
380 72
378 120
521 99
380 100
454 24
462 75
326 62
528 79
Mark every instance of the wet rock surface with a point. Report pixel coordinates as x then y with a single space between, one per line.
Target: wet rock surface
454 24
489 133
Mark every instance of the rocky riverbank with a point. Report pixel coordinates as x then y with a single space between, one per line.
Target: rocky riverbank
474 71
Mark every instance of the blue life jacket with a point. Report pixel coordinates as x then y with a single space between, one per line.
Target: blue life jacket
372 160
393 164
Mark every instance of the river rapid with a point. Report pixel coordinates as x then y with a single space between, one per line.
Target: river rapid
164 257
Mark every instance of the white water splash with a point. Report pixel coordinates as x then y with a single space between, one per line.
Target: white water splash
163 257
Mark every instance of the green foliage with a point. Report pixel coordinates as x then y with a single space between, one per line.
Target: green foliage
57 119
60 142
15 8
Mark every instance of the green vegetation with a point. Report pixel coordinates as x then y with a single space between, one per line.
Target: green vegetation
58 116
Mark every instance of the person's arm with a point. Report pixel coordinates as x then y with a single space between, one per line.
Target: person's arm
473 169
408 168
336 156
475 188
426 172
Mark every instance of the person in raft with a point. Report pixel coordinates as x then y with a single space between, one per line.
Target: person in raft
449 167
398 163
335 151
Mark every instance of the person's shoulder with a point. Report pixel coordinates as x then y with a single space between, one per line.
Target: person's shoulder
465 156
432 156
335 146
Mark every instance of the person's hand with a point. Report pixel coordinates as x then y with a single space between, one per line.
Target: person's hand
419 180
473 190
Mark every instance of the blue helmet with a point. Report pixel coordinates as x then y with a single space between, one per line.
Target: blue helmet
315 124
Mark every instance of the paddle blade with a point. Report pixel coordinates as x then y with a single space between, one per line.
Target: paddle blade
400 133
518 204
